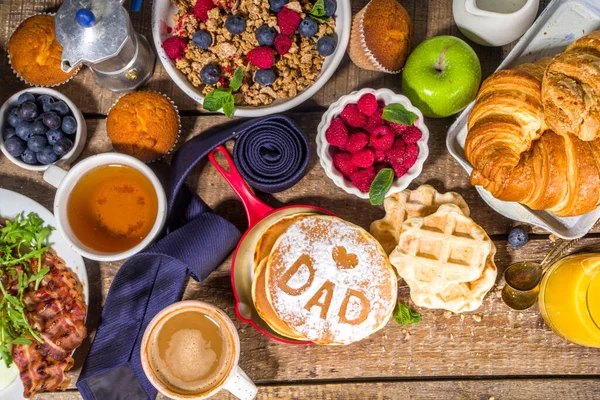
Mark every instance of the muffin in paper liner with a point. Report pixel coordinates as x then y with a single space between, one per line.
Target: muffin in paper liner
392 42
177 137
23 79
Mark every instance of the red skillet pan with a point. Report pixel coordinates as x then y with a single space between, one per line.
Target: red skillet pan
260 218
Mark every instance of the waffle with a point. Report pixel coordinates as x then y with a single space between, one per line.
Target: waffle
441 249
421 202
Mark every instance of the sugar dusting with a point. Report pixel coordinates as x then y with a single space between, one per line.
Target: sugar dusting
317 237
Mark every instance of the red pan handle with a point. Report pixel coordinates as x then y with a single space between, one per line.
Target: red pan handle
255 209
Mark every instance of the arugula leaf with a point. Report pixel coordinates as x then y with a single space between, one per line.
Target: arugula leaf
237 80
380 186
398 114
21 241
404 315
318 11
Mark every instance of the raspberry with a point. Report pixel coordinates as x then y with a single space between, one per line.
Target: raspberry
412 134
398 128
363 178
382 138
343 163
381 104
367 104
261 57
174 47
337 133
202 8
356 142
374 121
353 117
364 158
379 156
399 169
410 156
380 166
288 21
396 152
282 44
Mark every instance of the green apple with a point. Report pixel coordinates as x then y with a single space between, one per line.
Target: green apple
441 76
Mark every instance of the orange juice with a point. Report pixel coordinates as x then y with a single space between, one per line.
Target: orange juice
570 299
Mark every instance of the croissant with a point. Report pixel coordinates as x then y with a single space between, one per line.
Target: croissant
571 89
516 157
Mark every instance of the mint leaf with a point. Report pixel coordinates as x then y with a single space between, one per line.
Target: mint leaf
404 315
380 186
236 81
214 100
229 106
318 11
398 114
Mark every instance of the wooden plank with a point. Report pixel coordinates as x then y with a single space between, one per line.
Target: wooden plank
527 389
503 342
431 18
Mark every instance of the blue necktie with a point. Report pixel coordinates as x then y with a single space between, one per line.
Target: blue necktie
272 155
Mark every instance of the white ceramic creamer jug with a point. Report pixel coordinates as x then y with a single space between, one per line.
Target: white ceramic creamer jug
494 22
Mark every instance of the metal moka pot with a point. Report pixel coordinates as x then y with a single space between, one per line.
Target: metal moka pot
99 34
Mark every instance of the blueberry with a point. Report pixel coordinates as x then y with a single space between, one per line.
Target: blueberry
308 27
15 146
518 237
23 97
326 45
210 74
46 156
47 107
37 143
28 157
264 77
24 130
13 118
69 125
8 132
54 136
235 24
44 99
38 127
277 5
202 39
63 146
60 107
28 111
330 7
266 35
51 120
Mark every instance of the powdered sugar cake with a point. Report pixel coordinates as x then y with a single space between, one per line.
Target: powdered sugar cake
330 280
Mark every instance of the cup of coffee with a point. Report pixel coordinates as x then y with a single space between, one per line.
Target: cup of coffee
191 350
109 206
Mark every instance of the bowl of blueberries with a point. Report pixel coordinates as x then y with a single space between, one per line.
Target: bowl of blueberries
40 127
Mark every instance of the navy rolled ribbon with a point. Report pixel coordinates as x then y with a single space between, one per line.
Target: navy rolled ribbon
272 155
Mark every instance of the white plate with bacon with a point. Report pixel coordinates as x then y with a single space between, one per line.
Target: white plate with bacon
56 310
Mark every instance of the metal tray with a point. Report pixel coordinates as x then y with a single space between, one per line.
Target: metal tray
560 24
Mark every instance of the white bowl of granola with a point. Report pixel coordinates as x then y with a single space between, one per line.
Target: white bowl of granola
299 73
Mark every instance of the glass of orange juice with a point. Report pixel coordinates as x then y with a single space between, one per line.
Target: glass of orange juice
570 298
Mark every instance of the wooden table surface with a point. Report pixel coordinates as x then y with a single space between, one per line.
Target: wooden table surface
491 353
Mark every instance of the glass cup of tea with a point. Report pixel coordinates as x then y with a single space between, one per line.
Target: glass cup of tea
570 298
109 206
191 350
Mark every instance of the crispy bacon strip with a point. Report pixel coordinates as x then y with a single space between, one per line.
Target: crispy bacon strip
57 310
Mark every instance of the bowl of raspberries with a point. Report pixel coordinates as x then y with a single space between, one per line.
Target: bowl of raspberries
40 127
368 131
251 57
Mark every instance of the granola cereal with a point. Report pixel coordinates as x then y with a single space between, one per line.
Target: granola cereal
294 71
